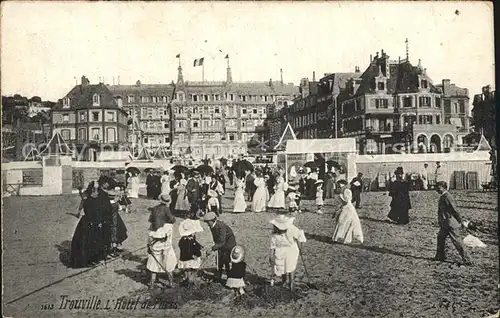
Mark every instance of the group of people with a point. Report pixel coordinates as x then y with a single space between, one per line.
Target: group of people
101 230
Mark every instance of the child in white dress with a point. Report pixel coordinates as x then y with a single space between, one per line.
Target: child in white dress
190 249
319 195
213 202
161 258
284 249
292 200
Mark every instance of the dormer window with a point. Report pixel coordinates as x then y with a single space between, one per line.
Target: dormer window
66 102
381 86
424 84
96 100
119 101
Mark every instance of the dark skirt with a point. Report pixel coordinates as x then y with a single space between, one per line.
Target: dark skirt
399 215
118 228
89 243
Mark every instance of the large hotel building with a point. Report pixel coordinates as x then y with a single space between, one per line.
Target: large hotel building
209 119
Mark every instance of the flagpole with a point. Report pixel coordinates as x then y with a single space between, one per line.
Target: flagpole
203 72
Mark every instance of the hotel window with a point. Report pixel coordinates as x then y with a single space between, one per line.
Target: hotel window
146 140
242 123
381 86
244 111
95 133
231 137
95 116
217 110
66 102
205 98
155 99
166 125
424 84
438 102
111 134
96 100
195 124
194 98
166 139
231 97
424 101
461 105
407 102
82 134
255 111
66 134
381 103
110 116
217 97
438 119
65 118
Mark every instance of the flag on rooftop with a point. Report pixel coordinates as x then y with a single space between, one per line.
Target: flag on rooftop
198 62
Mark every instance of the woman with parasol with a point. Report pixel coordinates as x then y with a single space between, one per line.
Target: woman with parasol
399 190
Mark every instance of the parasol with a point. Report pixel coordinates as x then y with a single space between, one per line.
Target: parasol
106 182
310 164
180 169
147 170
206 169
133 170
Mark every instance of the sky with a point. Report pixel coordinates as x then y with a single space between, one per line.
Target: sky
45 46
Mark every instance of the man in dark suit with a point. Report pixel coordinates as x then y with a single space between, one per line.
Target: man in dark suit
450 223
224 241
250 185
193 192
356 188
149 183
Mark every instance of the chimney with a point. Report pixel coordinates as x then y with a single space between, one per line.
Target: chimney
85 81
281 74
314 76
371 58
270 82
138 83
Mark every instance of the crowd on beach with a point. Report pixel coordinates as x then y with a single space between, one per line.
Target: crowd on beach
197 196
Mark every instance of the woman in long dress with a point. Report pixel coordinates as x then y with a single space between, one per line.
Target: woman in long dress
399 191
133 186
259 197
348 227
182 204
277 200
239 204
329 186
165 183
117 226
88 245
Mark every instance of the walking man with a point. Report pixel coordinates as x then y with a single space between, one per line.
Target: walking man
356 187
449 224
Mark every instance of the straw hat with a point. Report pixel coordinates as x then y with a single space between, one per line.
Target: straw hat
319 181
164 198
237 254
399 170
212 193
282 222
188 227
210 216
290 188
346 196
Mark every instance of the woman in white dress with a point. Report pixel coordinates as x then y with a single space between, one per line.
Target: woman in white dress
182 204
348 227
284 249
239 204
165 183
277 200
133 186
259 197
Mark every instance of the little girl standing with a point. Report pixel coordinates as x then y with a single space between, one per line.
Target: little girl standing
162 258
284 249
236 274
124 200
213 202
319 195
292 200
190 249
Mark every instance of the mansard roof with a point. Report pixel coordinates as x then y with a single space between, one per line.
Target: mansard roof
81 96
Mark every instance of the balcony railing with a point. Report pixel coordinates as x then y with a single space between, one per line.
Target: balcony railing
387 129
231 129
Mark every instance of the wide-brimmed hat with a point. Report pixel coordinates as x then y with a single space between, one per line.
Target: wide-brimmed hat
282 222
399 170
319 181
237 254
212 193
346 195
188 227
210 216
164 198
290 188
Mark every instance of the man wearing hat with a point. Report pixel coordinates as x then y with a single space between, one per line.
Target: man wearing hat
356 188
399 190
224 241
193 191
450 221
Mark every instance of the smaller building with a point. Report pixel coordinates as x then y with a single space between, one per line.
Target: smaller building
484 115
90 119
